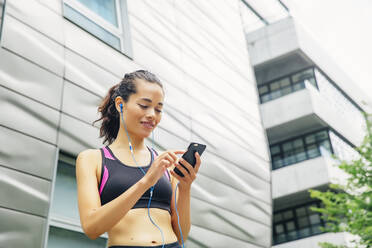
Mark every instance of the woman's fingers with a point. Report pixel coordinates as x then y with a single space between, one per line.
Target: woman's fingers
183 170
198 162
189 167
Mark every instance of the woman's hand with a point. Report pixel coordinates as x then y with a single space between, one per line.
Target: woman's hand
160 164
189 177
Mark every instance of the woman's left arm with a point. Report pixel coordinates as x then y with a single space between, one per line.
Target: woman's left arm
183 197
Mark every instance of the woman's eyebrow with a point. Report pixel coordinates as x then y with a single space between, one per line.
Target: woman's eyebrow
149 100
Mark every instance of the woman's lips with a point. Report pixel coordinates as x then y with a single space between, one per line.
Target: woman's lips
147 125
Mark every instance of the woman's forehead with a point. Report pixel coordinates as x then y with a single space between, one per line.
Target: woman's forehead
149 91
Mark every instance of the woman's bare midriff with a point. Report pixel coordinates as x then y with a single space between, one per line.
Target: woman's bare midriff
136 229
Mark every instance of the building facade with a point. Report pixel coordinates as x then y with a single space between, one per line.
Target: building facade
58 58
310 110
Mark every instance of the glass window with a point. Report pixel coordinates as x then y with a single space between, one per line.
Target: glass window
265 98
312 151
284 82
61 238
275 86
287 146
104 8
277 217
300 148
301 211
289 158
300 154
310 139
279 229
263 89
286 90
275 94
288 214
303 223
298 143
301 76
321 135
298 86
105 19
275 149
64 201
277 162
314 218
304 232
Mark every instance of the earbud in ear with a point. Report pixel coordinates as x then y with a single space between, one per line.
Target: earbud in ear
121 107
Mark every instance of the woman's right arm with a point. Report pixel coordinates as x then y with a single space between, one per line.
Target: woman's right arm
96 219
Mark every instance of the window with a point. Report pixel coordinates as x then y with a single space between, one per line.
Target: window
300 148
105 19
64 228
296 223
286 85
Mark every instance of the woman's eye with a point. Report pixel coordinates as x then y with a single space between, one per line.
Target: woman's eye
145 107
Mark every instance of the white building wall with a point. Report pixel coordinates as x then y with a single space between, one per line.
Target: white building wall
53 75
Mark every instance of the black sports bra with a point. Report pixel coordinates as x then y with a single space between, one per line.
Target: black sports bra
117 177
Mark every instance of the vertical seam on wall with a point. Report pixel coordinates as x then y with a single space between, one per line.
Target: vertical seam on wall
47 227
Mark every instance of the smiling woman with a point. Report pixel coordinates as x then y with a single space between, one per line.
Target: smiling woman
124 184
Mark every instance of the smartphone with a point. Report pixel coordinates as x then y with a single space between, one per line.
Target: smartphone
189 156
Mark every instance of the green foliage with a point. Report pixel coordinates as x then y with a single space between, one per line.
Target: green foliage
349 207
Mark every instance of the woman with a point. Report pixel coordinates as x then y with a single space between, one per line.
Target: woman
117 183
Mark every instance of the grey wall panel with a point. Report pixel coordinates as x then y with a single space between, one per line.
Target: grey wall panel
229 223
55 5
80 103
223 171
34 81
28 116
34 14
21 230
75 136
203 236
89 75
89 47
35 157
17 189
218 194
40 49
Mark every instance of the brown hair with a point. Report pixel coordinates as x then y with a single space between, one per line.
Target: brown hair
109 115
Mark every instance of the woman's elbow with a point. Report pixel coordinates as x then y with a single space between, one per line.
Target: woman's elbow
90 232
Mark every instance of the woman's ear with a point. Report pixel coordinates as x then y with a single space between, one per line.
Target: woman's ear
119 104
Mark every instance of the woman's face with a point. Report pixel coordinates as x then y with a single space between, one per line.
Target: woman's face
143 111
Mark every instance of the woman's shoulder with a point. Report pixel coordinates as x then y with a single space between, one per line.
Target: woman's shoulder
91 153
89 157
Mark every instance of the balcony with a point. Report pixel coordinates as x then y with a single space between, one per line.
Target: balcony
305 162
312 241
308 100
299 226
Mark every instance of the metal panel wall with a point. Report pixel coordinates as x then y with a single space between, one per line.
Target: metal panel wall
53 74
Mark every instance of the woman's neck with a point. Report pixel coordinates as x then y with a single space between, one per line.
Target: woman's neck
121 141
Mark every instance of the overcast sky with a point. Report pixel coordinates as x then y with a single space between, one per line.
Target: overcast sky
344 30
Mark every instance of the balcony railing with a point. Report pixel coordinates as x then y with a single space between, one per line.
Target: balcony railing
335 97
323 142
301 148
286 85
296 223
